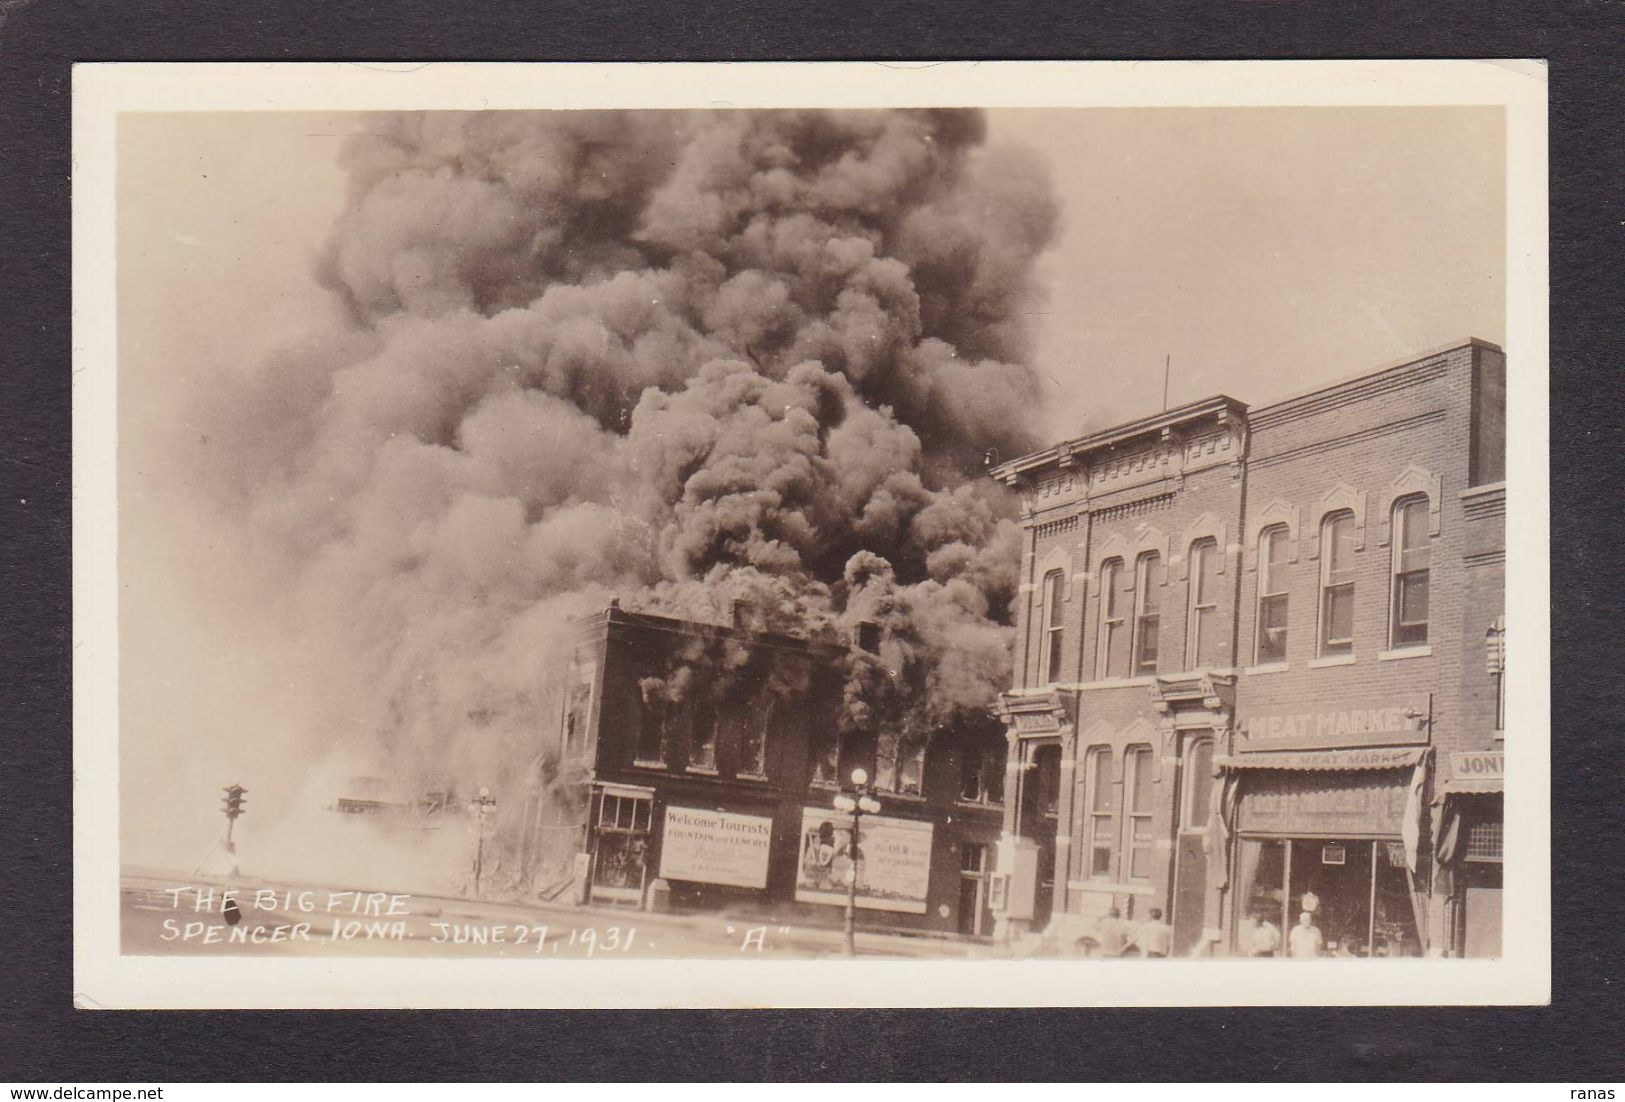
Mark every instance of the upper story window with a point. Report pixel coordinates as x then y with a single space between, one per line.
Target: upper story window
981 772
1202 646
1140 772
900 764
1337 584
1113 651
1273 551
826 755
1054 624
651 749
702 736
753 735
1102 810
577 703
1198 784
1147 611
1409 614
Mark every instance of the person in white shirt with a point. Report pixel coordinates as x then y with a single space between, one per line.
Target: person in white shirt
1305 941
1260 937
1154 936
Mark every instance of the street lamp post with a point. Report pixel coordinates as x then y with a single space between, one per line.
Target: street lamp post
482 806
856 799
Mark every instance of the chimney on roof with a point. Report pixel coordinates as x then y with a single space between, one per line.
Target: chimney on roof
867 636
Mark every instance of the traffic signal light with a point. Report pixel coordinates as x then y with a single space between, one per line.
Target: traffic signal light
233 802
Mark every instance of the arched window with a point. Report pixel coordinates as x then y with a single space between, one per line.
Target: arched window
1102 811
1054 624
1408 621
1337 584
1274 549
1139 774
1112 653
1202 642
1147 611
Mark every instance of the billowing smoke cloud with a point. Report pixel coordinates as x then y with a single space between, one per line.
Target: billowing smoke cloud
682 358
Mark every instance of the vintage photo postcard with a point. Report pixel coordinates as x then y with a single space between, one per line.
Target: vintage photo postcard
810 534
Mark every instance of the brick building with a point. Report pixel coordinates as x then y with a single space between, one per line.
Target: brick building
1258 667
707 756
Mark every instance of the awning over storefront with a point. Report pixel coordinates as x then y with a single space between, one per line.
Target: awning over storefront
1403 757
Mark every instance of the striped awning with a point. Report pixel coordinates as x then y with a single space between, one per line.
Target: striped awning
1398 757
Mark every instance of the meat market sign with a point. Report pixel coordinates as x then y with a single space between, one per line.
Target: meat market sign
1402 722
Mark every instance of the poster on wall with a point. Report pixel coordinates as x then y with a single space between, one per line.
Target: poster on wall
894 866
715 847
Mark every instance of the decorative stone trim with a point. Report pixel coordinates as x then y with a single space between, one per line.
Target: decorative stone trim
1336 500
1412 481
1206 526
1275 513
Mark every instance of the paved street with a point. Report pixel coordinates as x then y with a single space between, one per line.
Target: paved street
176 915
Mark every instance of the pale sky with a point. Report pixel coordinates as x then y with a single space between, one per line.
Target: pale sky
1265 249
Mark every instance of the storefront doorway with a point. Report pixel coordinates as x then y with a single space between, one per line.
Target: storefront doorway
975 916
621 844
1040 801
1356 889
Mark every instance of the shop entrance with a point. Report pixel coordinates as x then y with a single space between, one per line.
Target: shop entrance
621 845
1040 803
1356 889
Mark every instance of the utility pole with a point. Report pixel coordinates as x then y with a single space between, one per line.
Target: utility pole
482 806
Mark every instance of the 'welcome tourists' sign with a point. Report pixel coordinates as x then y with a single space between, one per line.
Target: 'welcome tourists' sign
716 847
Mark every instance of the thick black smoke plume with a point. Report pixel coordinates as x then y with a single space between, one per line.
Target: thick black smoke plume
683 358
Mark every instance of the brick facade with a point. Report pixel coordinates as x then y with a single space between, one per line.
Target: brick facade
631 756
1222 716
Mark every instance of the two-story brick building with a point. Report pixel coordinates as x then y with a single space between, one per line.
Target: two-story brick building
707 756
1257 667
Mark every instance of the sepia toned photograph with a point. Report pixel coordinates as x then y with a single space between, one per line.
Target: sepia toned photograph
1051 537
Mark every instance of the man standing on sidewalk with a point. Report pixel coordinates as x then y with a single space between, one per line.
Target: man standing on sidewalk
1154 936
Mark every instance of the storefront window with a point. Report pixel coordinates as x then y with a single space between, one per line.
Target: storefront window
1102 806
1356 891
1142 774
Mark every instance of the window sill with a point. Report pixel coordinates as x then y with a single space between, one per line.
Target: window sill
979 805
1268 667
650 765
700 770
1332 660
1404 652
905 797
759 778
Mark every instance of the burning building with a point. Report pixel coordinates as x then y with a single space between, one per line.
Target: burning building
703 759
683 357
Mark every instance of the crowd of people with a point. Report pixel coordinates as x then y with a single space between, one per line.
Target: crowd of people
1112 936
